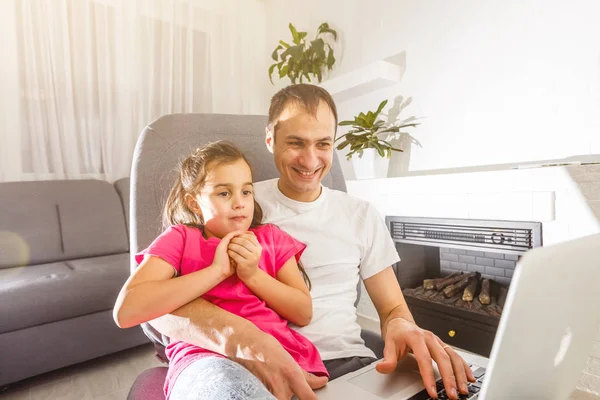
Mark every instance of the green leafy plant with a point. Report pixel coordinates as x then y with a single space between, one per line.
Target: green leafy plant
304 59
369 132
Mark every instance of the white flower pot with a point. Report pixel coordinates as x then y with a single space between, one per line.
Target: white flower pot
371 165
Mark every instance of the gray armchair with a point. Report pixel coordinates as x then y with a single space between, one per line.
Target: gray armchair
158 150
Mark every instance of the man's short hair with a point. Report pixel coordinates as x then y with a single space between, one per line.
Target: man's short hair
303 94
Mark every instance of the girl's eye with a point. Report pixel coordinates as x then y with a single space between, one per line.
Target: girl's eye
223 194
247 192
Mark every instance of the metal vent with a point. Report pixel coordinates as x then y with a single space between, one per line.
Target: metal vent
484 235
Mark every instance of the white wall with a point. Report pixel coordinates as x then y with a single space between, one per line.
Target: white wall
498 82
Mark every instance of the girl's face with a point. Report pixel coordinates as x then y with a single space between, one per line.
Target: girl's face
227 199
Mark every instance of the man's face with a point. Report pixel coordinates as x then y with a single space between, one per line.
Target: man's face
303 150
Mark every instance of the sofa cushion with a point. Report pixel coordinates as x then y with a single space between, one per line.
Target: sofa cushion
39 294
28 235
60 220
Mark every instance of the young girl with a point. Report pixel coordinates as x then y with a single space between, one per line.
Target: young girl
214 246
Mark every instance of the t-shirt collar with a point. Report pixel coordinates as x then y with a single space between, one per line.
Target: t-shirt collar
299 205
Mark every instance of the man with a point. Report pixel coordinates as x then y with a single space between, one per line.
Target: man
346 238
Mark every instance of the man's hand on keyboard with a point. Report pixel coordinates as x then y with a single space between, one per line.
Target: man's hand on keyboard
403 336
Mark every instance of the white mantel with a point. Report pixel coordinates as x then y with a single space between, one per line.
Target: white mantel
565 199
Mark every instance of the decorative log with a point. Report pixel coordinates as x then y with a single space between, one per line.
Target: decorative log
449 280
471 289
451 290
430 284
484 296
469 292
454 280
502 297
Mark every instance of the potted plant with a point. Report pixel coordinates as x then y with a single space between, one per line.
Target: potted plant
369 141
304 59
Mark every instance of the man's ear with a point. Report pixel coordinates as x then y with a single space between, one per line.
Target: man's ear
192 204
270 137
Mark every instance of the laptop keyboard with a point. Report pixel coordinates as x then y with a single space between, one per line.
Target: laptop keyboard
474 389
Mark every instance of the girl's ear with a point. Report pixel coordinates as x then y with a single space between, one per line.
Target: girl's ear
192 204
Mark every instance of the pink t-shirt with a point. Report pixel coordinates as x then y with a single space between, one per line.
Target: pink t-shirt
186 249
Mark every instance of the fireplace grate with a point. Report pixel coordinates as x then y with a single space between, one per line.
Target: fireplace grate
483 235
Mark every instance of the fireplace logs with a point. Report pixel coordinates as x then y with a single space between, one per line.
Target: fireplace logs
451 290
440 283
450 280
463 290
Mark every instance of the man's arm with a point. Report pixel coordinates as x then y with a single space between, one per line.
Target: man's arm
401 335
208 326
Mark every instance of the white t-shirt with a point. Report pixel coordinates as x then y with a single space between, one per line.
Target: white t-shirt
344 236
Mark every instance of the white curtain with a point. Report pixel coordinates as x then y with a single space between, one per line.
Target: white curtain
84 77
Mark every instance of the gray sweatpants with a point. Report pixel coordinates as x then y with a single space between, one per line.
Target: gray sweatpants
216 378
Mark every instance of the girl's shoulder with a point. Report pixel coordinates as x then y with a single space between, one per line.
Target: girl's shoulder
183 230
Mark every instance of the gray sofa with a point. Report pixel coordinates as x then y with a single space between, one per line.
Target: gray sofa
64 255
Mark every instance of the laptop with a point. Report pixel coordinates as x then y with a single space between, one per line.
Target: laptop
546 330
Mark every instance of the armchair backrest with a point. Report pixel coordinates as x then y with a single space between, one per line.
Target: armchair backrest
165 142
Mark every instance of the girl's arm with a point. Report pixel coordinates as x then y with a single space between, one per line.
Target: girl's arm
152 291
287 295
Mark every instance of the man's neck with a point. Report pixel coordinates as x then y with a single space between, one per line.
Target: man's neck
305 197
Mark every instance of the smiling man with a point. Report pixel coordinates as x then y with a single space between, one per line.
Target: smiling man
304 151
346 240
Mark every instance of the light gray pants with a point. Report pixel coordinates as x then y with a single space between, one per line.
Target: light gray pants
217 378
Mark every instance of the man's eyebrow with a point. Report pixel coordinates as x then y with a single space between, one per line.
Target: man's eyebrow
323 139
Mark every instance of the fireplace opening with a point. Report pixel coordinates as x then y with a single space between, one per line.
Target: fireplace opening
463 290
455 273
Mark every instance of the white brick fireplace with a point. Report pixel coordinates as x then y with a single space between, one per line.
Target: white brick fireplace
565 199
